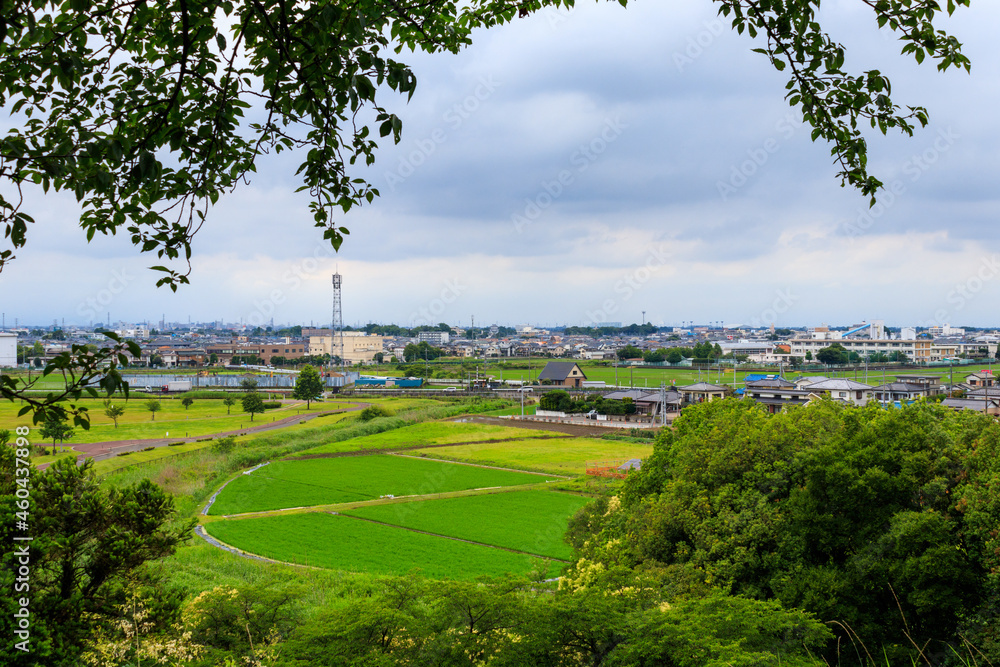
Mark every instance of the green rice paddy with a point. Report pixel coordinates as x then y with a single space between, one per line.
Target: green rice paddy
344 543
325 481
567 456
430 433
530 521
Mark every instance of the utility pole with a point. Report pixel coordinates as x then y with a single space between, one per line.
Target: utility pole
663 404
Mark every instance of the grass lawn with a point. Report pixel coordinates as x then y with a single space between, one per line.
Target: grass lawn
430 433
564 457
343 543
532 521
118 462
204 417
392 403
285 484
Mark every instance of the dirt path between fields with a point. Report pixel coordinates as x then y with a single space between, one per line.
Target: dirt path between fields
395 450
100 451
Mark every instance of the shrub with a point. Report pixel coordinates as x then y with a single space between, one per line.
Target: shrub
224 445
373 412
272 405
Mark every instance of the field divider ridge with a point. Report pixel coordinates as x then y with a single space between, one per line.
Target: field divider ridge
366 452
449 537
354 504
479 465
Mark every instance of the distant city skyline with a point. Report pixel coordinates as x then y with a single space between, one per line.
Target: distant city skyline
682 324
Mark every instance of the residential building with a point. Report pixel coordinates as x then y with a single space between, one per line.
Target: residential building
981 379
989 406
775 398
701 392
902 392
842 389
562 373
434 337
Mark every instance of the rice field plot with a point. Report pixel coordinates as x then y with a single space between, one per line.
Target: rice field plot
533 521
568 456
287 484
343 543
430 433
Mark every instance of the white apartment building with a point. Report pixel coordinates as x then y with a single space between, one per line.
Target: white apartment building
434 337
915 350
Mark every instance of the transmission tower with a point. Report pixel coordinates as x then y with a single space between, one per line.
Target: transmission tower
337 328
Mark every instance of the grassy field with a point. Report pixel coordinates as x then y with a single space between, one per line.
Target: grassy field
285 484
204 417
531 521
343 543
392 403
430 433
108 466
563 457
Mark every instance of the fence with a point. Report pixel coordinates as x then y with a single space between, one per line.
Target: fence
231 381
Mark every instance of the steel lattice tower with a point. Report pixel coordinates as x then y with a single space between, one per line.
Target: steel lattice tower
337 328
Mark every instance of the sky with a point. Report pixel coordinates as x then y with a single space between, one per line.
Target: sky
595 165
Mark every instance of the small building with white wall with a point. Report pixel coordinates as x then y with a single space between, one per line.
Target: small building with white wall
8 350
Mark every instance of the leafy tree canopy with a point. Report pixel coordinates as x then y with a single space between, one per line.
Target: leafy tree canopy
862 516
308 385
87 542
150 112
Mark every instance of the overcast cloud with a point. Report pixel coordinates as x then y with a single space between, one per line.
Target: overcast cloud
588 165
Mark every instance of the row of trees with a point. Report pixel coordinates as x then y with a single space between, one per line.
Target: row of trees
835 355
308 387
422 351
705 351
560 401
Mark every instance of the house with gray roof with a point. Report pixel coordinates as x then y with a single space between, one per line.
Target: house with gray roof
701 392
989 406
562 374
842 389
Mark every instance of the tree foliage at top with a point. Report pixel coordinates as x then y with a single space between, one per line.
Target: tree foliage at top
880 520
150 112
